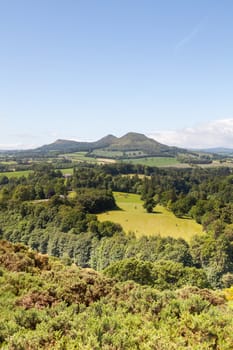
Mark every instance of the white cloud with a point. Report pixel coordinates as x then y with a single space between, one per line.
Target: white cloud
217 133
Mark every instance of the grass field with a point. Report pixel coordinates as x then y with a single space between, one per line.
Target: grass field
105 154
100 158
156 161
149 161
79 157
116 154
8 162
25 173
67 171
10 174
133 217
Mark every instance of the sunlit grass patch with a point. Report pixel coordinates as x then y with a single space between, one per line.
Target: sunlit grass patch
133 217
10 174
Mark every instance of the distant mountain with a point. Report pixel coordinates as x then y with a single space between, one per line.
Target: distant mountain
64 146
139 142
68 146
131 142
219 150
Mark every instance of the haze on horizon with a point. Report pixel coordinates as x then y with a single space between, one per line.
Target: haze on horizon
84 69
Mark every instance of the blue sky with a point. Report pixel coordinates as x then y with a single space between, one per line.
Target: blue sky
81 69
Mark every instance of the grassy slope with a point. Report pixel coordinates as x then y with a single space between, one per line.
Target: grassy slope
133 217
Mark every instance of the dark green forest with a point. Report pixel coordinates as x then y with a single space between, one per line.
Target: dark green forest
167 291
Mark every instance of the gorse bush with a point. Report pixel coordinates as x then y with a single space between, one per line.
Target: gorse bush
162 274
53 306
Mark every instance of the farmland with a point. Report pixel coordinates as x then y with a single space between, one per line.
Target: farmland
160 162
105 157
67 171
10 174
25 173
133 217
78 157
157 161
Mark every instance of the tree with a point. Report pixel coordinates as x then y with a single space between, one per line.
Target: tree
149 204
24 193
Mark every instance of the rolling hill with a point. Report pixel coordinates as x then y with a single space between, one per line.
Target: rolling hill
130 145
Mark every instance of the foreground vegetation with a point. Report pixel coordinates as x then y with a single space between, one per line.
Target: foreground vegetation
47 305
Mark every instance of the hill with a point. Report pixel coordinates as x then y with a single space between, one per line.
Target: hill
139 142
130 145
75 146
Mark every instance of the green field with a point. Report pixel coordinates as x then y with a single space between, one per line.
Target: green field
117 154
156 161
79 157
10 174
102 156
8 162
133 217
67 171
106 154
25 173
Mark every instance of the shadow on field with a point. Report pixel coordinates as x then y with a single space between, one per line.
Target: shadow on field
156 212
119 209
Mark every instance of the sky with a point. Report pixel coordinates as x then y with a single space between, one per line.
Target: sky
82 69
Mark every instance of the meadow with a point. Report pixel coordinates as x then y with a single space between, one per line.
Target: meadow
79 157
10 174
107 154
102 157
157 161
133 217
25 173
68 171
